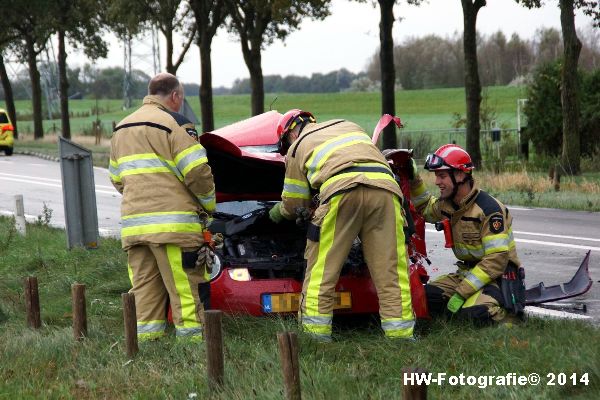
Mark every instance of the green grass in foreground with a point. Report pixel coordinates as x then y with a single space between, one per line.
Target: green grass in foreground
360 364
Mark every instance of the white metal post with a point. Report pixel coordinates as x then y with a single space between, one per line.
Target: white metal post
20 215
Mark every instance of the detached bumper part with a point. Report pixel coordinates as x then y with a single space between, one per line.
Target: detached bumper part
580 283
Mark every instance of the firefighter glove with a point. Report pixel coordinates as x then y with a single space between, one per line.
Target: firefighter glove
455 303
206 258
303 215
275 213
411 168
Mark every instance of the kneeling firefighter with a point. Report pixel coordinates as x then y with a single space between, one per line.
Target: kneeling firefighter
488 285
357 197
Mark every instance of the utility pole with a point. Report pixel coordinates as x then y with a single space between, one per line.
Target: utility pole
49 75
145 57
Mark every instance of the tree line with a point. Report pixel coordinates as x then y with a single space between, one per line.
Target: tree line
29 24
433 61
502 61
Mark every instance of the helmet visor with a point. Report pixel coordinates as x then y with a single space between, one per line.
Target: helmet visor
433 162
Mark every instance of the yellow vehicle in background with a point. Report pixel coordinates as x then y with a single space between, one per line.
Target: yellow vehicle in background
7 139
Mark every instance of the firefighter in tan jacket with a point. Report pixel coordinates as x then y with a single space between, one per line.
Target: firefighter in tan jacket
481 229
358 197
161 170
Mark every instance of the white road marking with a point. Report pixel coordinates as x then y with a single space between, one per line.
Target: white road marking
14 177
533 311
557 236
55 182
520 208
553 244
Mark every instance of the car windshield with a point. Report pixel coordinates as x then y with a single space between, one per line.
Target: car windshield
3 118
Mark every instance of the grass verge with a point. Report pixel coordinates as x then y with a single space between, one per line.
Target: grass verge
360 364
536 189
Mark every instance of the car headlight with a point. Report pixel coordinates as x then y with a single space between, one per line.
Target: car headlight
240 274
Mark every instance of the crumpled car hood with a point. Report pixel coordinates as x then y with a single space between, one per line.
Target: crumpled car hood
244 159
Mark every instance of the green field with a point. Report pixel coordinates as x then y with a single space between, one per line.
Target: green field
418 109
359 364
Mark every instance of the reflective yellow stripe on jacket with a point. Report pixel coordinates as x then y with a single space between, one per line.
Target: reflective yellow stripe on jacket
477 278
371 171
327 148
147 163
190 158
160 222
295 188
208 201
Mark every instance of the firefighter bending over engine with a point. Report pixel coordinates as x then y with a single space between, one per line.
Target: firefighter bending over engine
160 168
488 284
357 197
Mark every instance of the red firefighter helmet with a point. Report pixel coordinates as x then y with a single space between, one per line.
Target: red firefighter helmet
290 119
449 156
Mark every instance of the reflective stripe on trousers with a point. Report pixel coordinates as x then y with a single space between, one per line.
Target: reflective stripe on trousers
190 325
157 275
362 212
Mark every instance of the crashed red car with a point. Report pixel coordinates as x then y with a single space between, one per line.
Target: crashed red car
261 265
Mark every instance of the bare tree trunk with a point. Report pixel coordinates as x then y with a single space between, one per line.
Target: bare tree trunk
571 150
252 58
8 96
170 67
388 73
209 16
36 89
206 97
257 84
64 86
472 82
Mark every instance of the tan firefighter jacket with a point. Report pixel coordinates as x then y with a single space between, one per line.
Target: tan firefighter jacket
330 157
161 169
481 232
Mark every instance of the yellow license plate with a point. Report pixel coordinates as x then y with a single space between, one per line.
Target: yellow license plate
290 302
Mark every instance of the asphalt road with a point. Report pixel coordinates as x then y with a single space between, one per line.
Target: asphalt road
39 181
551 243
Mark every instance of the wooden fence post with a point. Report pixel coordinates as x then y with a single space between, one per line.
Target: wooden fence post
130 322
32 303
288 353
20 225
556 178
214 347
411 389
97 133
79 311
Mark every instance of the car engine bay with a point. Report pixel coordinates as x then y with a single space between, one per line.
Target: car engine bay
266 249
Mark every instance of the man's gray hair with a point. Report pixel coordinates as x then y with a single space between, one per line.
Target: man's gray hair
163 84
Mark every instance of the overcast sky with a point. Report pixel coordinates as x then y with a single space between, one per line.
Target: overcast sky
348 38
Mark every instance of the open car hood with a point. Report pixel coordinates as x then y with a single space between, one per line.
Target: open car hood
244 159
